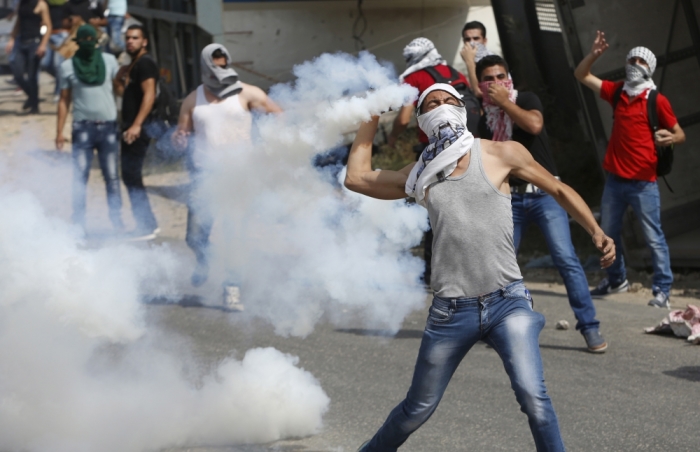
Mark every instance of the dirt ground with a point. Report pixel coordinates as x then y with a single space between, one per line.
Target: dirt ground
32 161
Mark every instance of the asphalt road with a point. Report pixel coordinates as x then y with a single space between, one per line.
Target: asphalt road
642 395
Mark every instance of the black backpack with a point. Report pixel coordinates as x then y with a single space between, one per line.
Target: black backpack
664 155
471 102
166 108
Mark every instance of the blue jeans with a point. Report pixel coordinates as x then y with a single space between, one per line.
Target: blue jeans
114 28
25 68
645 201
504 319
88 136
542 210
52 59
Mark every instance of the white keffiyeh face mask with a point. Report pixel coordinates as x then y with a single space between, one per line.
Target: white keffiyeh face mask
446 127
638 77
432 121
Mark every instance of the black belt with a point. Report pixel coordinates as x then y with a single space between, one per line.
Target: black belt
623 179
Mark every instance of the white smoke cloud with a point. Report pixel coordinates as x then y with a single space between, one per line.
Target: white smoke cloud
81 372
63 386
301 247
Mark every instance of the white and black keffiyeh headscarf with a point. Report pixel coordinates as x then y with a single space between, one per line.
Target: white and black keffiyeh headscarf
420 54
638 78
446 127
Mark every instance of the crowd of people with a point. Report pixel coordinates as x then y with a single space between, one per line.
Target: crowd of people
484 171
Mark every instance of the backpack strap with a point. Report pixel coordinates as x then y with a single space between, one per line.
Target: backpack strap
454 79
616 98
438 77
652 113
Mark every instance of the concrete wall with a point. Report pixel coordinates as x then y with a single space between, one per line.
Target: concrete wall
270 38
647 23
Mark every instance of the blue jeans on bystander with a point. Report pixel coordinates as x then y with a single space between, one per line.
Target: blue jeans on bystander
541 209
504 319
52 59
88 136
644 198
114 27
25 68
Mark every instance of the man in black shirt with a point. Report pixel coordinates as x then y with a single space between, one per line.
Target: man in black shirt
512 115
60 23
137 81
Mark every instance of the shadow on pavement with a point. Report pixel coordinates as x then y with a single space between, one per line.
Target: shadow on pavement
185 301
564 347
690 373
401 334
179 193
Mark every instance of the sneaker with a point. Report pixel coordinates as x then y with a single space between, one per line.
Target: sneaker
660 300
232 298
27 105
139 235
363 446
595 341
604 288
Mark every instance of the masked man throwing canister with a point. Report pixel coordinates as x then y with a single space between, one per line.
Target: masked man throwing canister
479 293
631 161
218 113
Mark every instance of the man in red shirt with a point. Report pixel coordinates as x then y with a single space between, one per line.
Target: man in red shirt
631 162
420 55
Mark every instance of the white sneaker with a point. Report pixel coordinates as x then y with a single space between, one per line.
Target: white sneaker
139 235
232 299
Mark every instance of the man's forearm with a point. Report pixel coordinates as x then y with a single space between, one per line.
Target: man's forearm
577 208
360 158
145 109
584 67
527 120
61 119
473 81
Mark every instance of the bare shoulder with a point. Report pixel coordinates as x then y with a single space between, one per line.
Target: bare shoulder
189 102
252 92
507 151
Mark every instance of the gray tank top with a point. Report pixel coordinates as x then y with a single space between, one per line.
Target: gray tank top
472 221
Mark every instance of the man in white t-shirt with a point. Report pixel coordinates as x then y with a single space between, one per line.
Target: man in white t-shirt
218 112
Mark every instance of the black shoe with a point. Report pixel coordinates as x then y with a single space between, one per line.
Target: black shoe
605 288
27 105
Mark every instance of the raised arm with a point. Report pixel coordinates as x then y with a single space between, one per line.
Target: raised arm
523 166
583 70
360 178
468 54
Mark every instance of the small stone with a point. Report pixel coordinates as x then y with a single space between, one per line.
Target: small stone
562 325
636 287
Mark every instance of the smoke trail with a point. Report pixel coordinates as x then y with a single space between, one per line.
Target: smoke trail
303 248
63 387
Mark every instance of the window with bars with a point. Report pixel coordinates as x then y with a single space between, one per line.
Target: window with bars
547 16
